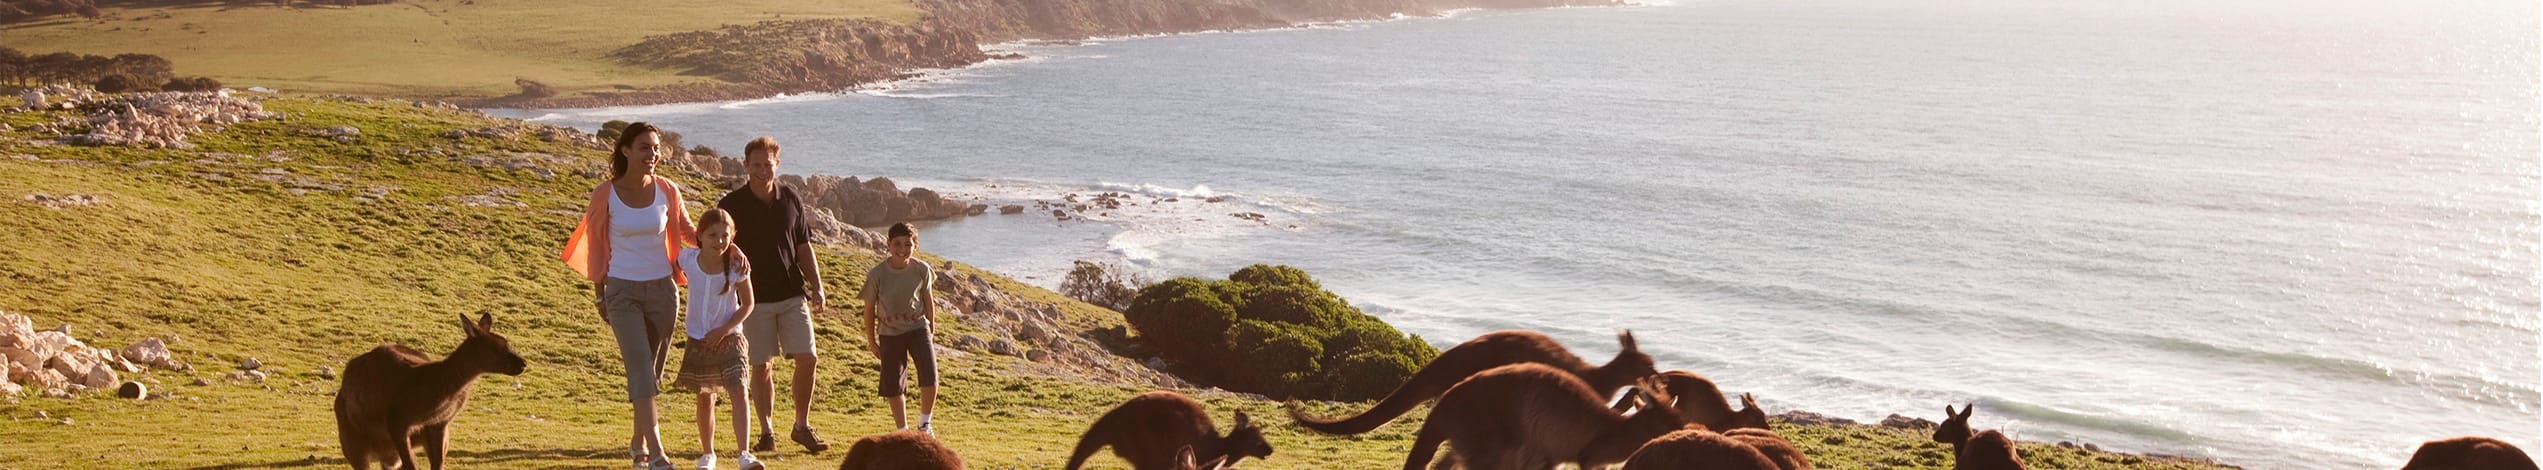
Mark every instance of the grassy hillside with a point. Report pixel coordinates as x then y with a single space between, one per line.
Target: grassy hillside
260 243
416 48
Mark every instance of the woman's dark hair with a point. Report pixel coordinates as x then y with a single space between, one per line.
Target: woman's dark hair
626 137
901 230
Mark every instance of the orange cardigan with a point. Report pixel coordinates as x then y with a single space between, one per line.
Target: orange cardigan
587 250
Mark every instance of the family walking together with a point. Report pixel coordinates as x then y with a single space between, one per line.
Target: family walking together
754 285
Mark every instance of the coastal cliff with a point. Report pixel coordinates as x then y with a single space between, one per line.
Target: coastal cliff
797 56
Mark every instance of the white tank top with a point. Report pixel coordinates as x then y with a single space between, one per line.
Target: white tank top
636 238
709 304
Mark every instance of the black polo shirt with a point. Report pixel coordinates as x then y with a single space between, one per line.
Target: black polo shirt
768 232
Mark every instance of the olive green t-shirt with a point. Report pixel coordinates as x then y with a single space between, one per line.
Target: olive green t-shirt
898 296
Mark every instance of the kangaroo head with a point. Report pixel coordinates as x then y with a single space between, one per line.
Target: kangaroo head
1630 363
1243 440
1955 427
1749 416
486 351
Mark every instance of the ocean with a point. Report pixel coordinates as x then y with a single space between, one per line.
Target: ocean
2280 234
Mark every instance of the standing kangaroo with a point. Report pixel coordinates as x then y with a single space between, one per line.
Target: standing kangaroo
1148 430
900 450
393 399
1986 450
1532 416
1495 349
2469 453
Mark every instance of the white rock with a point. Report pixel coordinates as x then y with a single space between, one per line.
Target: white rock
10 389
256 375
325 372
23 358
151 352
100 376
250 364
47 379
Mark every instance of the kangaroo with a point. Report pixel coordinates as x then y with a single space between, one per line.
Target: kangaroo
393 399
1773 446
1147 430
1986 450
1698 448
2469 453
900 450
1530 416
1702 402
1491 350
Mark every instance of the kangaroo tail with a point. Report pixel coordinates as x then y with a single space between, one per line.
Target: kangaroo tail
1433 379
1087 444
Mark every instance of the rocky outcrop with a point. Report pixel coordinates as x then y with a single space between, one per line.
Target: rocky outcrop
1035 331
55 364
153 120
850 200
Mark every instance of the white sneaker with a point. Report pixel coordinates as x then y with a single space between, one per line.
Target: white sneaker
927 427
747 462
706 462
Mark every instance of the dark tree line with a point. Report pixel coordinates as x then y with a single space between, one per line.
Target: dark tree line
112 74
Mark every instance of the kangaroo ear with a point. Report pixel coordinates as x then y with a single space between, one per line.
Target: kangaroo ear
1748 400
485 322
1183 457
1966 410
1242 421
1626 337
464 325
1948 412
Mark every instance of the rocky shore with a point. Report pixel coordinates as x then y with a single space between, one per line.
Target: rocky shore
799 56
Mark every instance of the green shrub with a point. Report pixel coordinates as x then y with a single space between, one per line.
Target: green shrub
1273 330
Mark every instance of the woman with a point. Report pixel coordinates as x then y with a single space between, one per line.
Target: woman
631 232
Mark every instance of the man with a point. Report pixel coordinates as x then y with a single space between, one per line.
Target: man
900 311
768 223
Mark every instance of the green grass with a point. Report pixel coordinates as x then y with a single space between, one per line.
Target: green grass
417 48
193 244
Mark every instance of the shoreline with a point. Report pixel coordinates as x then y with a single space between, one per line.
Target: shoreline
987 54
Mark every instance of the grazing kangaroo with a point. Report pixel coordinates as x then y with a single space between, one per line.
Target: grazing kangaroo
393 398
1148 429
1491 350
2469 453
900 450
1698 448
1531 416
1776 449
1986 450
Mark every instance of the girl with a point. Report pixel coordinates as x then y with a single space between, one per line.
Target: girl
720 278
624 246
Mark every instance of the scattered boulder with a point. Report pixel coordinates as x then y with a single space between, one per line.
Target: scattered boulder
1001 347
1037 355
1806 418
250 364
325 372
1010 209
1896 421
62 202
154 353
132 390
